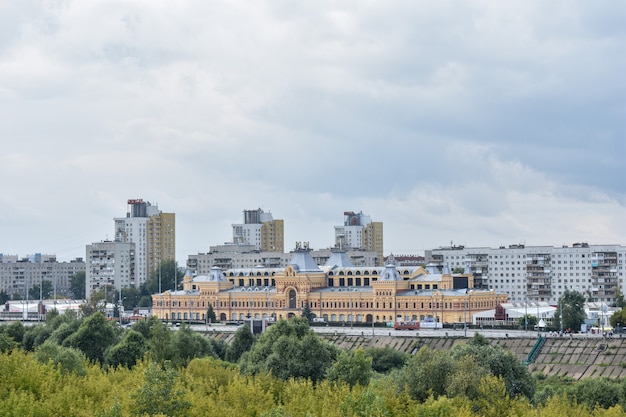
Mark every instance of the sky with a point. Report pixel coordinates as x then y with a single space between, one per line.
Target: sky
475 123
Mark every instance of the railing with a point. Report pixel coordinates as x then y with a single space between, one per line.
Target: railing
534 352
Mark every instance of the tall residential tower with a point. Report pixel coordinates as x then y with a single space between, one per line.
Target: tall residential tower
360 232
154 235
261 230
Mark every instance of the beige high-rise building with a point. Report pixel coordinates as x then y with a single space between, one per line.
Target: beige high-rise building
360 232
261 230
154 235
160 239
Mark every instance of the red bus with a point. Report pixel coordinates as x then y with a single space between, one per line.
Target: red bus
406 325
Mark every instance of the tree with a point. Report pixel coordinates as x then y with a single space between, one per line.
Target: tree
78 285
128 351
307 313
159 394
4 297
170 275
620 301
210 314
352 368
290 349
130 297
189 345
532 321
94 335
67 359
572 304
385 359
618 319
44 292
242 342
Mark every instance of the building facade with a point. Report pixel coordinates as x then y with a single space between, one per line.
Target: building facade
541 273
336 292
260 230
110 264
360 232
19 275
153 233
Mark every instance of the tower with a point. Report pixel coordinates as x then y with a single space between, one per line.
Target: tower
154 235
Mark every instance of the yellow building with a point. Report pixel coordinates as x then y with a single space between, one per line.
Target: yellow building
336 292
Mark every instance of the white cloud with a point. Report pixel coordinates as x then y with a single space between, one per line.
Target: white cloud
475 122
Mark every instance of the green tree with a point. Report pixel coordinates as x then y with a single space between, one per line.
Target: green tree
532 321
78 285
16 330
162 347
67 359
44 293
572 304
7 343
498 362
169 274
159 394
618 319
210 314
352 368
290 349
189 345
241 343
619 298
307 313
426 373
596 392
94 335
386 359
130 298
128 351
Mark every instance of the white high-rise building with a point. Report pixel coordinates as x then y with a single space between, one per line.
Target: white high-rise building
541 273
110 264
260 230
152 232
360 232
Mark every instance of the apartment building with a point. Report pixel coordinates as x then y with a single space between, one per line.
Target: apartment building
110 264
153 233
360 232
230 256
260 230
19 275
541 273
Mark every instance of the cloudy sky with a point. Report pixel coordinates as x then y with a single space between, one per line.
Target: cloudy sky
482 123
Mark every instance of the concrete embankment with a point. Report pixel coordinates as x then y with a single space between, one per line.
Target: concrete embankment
578 358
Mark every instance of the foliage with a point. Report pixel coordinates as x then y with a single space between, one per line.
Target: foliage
426 373
290 349
130 298
241 343
7 343
596 392
619 298
160 394
128 351
385 359
94 335
618 318
210 314
162 347
170 275
44 291
351 368
189 345
307 313
16 330
35 336
573 305
532 321
219 347
78 285
66 359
